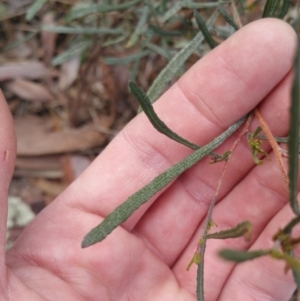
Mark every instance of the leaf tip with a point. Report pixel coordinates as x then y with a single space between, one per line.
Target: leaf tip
86 242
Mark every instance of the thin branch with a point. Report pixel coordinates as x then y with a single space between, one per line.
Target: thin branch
274 145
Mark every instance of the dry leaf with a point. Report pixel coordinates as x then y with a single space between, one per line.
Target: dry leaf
69 73
29 70
48 38
29 90
35 139
49 167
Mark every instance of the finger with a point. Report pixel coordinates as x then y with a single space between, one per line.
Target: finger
7 161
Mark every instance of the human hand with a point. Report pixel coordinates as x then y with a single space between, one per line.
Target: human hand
146 258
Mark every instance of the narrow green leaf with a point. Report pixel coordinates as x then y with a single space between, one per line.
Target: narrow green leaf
284 9
165 33
242 229
289 227
270 8
296 274
187 4
201 24
114 41
82 30
290 260
293 143
220 158
177 62
160 50
125 210
4 10
256 132
134 70
77 48
227 17
86 9
197 5
255 147
196 259
138 29
146 105
34 9
126 60
172 11
278 139
241 256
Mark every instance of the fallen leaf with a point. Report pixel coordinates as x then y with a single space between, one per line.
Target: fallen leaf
28 69
69 73
49 167
48 38
29 90
35 138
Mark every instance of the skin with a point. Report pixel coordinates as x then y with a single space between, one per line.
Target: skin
146 258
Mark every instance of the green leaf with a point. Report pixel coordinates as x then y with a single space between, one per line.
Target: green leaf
165 33
270 8
227 17
177 62
284 9
146 105
172 11
241 256
138 29
86 9
201 24
77 48
276 9
242 229
289 227
114 41
35 8
160 50
196 259
293 143
125 210
290 260
254 144
220 158
126 60
82 30
187 4
296 274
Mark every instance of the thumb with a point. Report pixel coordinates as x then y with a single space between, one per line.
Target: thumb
7 161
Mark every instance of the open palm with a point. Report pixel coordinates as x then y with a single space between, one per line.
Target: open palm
146 258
